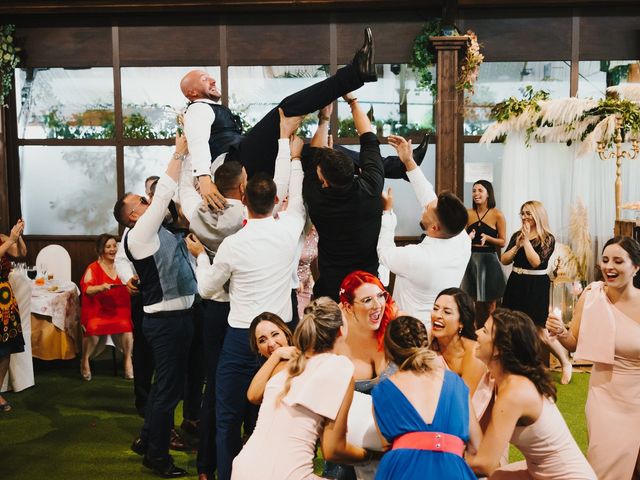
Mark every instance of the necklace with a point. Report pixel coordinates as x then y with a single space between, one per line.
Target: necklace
481 217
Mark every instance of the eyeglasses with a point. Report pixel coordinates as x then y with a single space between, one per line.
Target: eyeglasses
143 201
380 299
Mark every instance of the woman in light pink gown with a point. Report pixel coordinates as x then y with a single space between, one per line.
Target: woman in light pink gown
524 412
308 401
606 331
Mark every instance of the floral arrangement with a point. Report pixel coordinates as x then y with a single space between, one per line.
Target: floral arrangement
9 60
424 57
471 66
566 120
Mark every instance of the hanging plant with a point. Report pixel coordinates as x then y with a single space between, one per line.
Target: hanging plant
9 60
424 57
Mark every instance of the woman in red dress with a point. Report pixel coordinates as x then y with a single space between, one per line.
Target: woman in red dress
106 307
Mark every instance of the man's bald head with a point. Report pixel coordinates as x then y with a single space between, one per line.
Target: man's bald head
198 84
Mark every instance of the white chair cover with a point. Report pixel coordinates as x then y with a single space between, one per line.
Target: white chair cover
20 375
56 260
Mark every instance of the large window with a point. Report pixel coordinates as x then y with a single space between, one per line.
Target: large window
65 103
498 81
394 103
595 77
254 91
67 132
151 100
68 191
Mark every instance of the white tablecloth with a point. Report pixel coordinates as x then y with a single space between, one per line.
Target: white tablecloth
57 304
21 364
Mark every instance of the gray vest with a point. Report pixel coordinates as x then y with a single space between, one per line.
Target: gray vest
167 274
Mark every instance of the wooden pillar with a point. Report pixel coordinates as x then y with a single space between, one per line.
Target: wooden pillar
449 115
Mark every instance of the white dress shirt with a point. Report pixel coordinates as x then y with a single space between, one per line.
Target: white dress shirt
124 267
422 270
258 260
197 128
143 240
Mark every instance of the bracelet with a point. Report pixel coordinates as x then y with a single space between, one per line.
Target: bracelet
351 100
179 156
295 158
323 118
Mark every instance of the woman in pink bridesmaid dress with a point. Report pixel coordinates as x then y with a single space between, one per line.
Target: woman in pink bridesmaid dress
524 413
606 331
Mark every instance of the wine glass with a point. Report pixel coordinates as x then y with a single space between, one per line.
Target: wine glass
32 273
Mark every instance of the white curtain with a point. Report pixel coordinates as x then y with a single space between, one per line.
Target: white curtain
553 174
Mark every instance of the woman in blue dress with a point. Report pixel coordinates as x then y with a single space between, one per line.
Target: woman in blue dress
422 411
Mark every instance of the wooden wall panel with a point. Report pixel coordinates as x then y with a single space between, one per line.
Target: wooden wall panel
511 36
393 37
605 37
65 46
278 43
175 45
81 250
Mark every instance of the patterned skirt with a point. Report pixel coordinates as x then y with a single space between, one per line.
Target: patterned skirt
11 339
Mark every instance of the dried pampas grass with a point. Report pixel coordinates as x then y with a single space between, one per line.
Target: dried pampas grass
579 237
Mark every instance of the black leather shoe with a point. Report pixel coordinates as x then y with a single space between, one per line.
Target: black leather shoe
139 447
421 150
363 59
163 467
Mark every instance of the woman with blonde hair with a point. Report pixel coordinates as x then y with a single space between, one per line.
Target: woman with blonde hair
423 410
527 290
308 401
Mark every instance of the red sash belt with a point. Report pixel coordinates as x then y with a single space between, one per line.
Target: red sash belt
434 441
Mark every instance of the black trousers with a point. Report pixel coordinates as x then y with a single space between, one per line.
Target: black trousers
257 151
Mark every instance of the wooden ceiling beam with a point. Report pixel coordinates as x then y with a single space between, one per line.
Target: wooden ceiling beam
22 7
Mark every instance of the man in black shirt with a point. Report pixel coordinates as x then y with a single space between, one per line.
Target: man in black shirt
345 210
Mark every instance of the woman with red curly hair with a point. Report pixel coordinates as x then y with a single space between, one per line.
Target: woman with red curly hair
368 309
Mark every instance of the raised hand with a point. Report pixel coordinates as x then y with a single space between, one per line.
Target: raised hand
181 144
403 147
16 231
285 353
387 200
295 146
288 125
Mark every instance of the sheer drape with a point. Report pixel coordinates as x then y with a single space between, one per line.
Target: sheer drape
555 175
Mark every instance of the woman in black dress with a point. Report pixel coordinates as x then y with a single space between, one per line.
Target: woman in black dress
486 227
528 286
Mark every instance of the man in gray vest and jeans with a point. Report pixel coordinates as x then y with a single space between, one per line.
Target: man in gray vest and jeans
168 287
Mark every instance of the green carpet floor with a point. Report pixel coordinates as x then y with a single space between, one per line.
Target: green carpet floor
64 428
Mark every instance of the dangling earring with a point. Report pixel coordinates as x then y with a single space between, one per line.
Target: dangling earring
460 332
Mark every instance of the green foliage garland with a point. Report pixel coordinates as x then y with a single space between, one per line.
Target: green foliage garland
424 55
9 60
512 106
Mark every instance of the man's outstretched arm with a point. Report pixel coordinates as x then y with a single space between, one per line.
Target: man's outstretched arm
421 186
396 259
